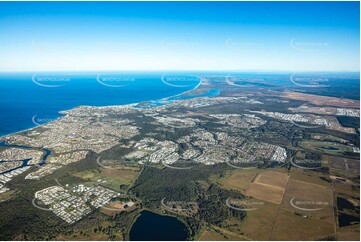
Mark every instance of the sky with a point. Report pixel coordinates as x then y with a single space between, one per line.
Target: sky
216 36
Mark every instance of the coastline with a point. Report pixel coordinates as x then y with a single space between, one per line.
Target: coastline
122 105
164 99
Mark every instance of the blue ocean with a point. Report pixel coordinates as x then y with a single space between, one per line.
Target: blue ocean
31 99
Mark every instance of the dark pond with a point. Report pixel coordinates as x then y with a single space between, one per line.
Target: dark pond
346 220
344 204
152 226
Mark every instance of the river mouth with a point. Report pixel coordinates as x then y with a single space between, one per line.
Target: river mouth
150 226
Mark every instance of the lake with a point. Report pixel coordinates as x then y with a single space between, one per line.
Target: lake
151 226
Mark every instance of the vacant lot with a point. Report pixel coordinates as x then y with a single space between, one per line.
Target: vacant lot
272 178
290 226
350 233
306 212
343 163
347 188
112 178
268 186
126 176
311 176
238 179
344 167
300 197
257 225
323 100
266 193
